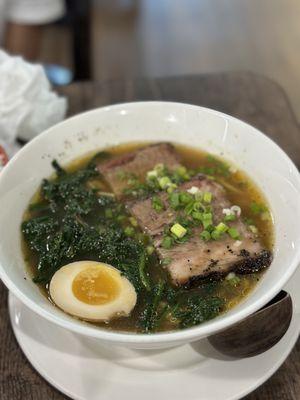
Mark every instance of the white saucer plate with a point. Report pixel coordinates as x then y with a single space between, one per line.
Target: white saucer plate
83 371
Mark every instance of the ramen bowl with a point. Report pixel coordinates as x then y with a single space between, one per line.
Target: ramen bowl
217 133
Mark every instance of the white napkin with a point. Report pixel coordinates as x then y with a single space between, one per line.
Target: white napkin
27 104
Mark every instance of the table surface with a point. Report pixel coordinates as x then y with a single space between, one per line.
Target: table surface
252 98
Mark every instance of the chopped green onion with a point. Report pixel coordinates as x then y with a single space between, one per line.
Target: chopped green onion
178 230
198 196
248 221
207 197
174 200
233 279
221 227
133 221
206 220
167 242
185 198
182 172
171 187
206 224
189 208
221 168
150 250
141 237
166 261
215 235
257 208
152 174
157 204
210 228
197 215
233 233
129 231
159 168
229 217
164 182
205 235
207 216
197 205
253 228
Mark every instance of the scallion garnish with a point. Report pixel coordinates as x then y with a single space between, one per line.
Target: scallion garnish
215 234
178 230
233 279
253 228
129 231
185 198
157 204
207 197
164 182
206 220
233 233
174 200
150 250
221 227
258 208
229 217
205 235
133 221
197 215
188 209
167 242
166 261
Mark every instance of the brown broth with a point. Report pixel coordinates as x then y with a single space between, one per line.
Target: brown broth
241 190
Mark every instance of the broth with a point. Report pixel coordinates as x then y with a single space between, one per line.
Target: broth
240 190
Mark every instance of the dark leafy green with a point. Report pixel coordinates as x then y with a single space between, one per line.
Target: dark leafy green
75 227
149 316
196 310
187 307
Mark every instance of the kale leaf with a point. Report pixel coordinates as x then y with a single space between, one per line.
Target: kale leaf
197 309
186 308
150 315
74 227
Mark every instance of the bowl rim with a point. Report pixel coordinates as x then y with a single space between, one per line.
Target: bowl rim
185 335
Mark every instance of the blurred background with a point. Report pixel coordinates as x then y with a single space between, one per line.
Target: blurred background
117 39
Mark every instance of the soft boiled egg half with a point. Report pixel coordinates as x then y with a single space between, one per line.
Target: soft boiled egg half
93 291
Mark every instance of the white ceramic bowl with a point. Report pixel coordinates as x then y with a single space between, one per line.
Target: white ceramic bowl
199 127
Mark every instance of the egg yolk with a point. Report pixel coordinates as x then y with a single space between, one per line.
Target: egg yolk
95 286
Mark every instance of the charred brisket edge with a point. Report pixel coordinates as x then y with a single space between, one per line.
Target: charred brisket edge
248 265
254 264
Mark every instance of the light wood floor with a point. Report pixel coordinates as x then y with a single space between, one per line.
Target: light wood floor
172 37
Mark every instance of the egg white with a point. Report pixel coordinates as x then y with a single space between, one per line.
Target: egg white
62 294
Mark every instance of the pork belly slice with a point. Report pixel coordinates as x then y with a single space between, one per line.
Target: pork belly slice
196 259
153 222
137 163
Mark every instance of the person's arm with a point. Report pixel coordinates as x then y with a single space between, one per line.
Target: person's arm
23 39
